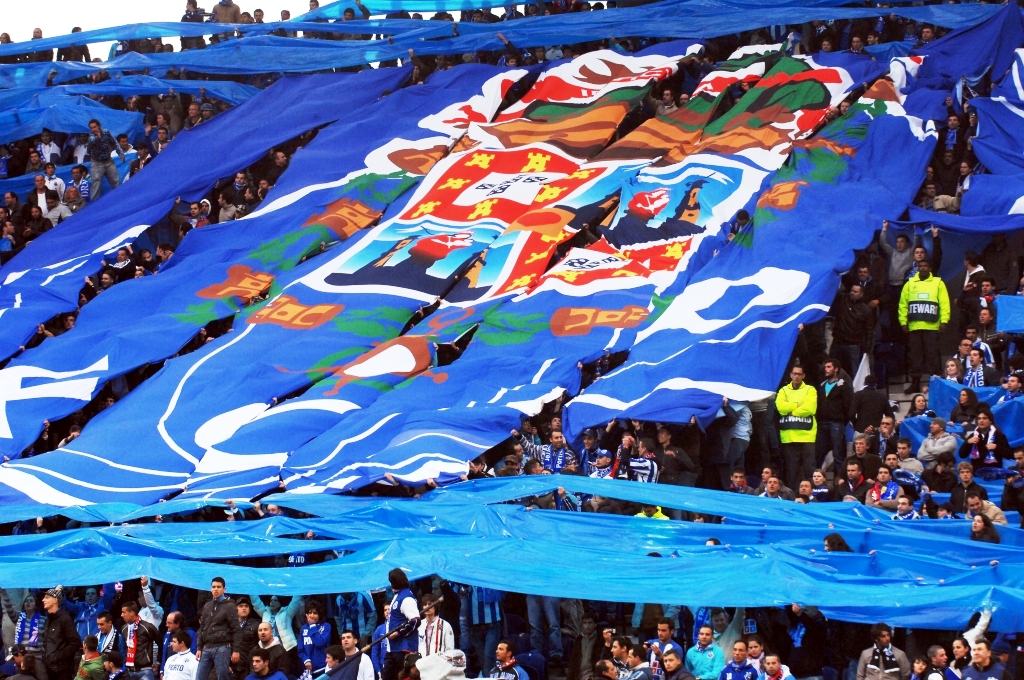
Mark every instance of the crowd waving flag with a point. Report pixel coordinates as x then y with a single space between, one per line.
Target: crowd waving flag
425 275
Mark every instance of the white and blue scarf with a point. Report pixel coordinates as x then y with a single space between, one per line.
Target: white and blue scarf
990 455
27 630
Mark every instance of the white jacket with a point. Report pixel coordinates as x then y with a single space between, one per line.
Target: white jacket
153 613
440 640
181 666
282 623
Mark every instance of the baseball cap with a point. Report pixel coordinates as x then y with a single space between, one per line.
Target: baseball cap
206 107
590 432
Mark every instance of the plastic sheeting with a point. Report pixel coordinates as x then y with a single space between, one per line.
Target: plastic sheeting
224 90
127 86
943 396
24 184
666 19
454 534
1010 317
21 123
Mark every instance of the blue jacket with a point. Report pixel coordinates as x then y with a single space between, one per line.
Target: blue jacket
654 661
410 641
705 664
84 613
313 642
995 671
734 672
276 675
377 651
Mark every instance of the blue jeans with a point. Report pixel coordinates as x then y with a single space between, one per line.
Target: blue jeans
478 640
97 170
831 437
144 674
541 609
218 657
485 637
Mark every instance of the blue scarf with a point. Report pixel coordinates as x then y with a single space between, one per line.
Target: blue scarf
820 493
890 492
912 514
796 634
975 377
701 618
556 460
27 630
1010 396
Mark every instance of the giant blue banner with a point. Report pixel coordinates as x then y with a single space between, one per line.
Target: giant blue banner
740 312
45 278
228 266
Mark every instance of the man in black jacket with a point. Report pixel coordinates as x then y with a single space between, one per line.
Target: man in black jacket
113 664
141 643
868 407
278 657
941 478
855 484
854 325
61 641
835 397
586 651
245 638
958 496
1013 490
216 633
674 668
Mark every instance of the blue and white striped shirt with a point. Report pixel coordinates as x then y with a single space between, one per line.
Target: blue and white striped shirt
484 604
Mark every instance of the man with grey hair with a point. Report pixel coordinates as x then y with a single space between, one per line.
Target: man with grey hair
869 462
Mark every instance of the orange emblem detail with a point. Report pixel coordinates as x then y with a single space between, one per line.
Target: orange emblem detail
287 312
580 320
242 282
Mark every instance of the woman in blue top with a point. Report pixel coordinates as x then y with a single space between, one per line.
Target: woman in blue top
315 637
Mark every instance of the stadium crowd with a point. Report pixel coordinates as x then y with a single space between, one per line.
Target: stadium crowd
892 308
433 629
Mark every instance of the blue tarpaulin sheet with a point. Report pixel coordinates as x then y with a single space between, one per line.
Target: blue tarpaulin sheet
21 123
1010 314
26 183
665 19
464 533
